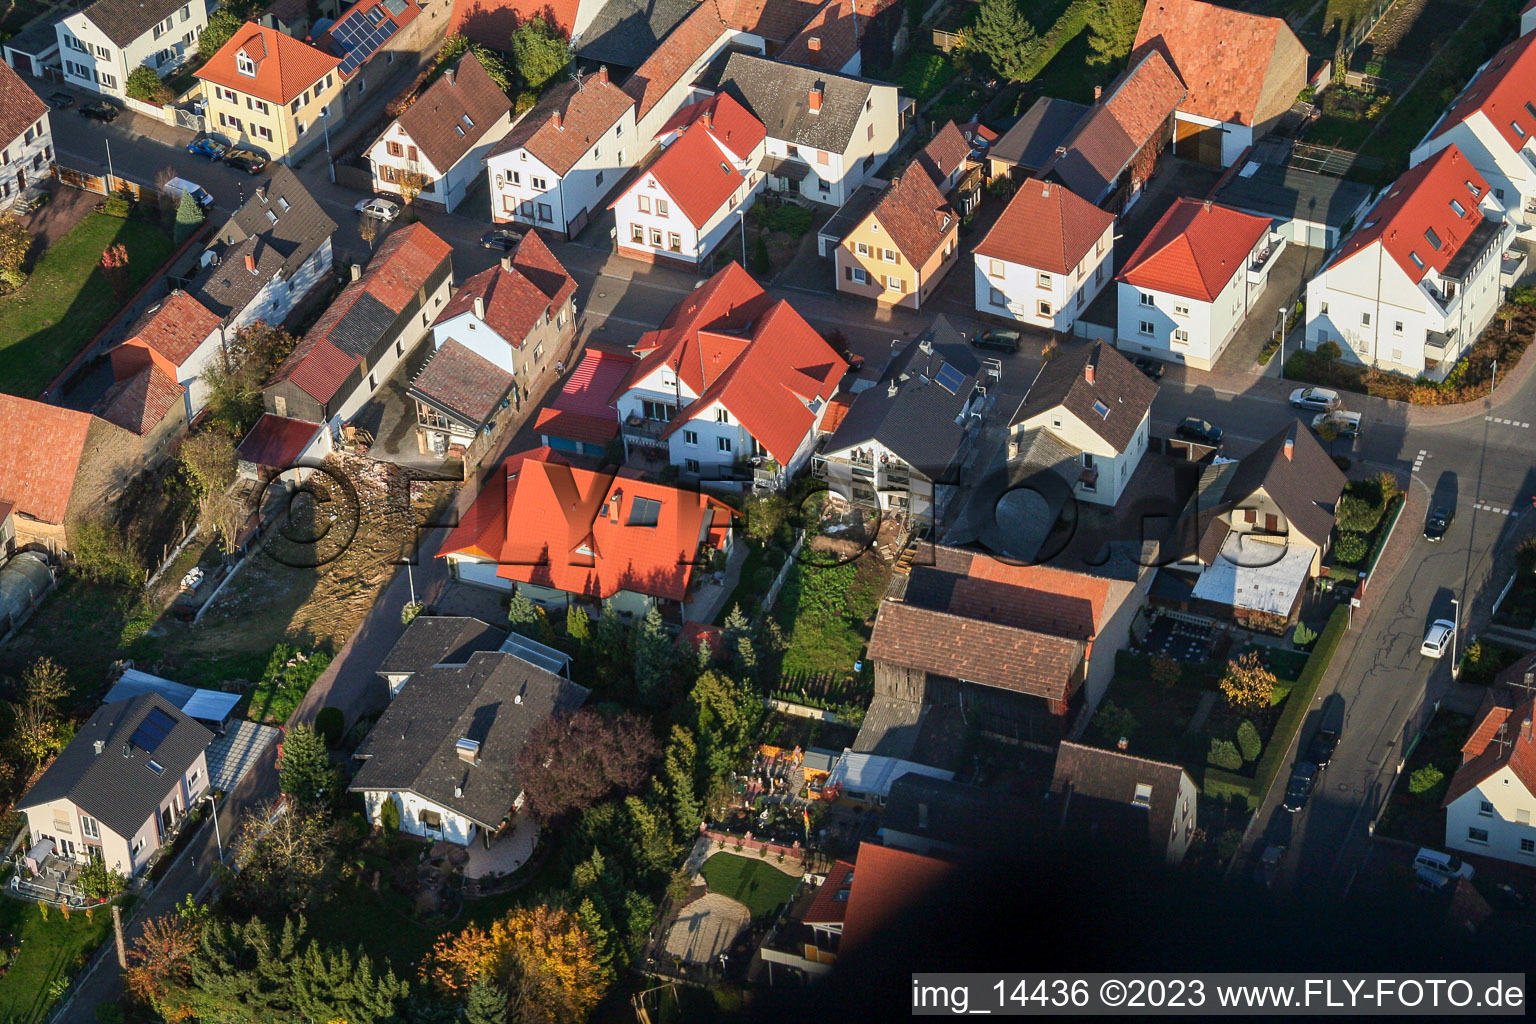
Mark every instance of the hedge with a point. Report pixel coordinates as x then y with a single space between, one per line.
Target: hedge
1297 705
1219 785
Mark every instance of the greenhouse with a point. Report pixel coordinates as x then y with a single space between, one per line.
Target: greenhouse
24 581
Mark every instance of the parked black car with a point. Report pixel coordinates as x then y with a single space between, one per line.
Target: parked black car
1320 750
1151 367
1303 778
502 238
1200 431
100 110
1438 522
1002 339
60 100
247 160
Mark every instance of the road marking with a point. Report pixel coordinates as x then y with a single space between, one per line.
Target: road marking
1507 422
1419 460
1485 507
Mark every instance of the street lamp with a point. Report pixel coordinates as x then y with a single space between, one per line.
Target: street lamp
1456 621
218 841
1282 341
325 123
742 216
1495 382
110 175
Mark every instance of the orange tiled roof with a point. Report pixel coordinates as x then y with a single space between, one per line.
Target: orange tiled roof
40 450
1487 751
1045 226
176 327
914 213
887 882
1195 249
695 172
683 46
285 66
140 402
1503 92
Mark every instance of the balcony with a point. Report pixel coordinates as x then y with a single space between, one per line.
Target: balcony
1512 266
1264 259
1437 346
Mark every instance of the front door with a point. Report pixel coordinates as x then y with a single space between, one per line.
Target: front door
66 848
167 819
21 179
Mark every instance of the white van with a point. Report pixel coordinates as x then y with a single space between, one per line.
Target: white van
1439 868
178 186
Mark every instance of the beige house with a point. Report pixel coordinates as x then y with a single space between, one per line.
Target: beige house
272 92
899 251
120 789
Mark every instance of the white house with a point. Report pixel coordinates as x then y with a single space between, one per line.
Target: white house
26 138
731 378
668 79
683 205
1492 796
1046 258
444 136
1412 287
558 162
179 337
1492 125
1193 280
1095 403
827 133
1128 802
103 43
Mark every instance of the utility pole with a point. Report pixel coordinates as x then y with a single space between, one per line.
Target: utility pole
117 932
742 216
325 123
110 175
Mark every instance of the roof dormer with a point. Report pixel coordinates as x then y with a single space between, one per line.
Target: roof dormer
246 65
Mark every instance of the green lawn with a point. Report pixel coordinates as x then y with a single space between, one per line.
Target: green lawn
924 74
66 301
50 952
759 886
823 611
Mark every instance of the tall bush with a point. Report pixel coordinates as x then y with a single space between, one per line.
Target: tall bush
1351 548
1248 741
1224 754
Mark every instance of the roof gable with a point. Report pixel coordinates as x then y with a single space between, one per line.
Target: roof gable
780 96
915 214
1504 738
41 448
20 108
567 122
1112 404
175 328
517 293
1292 468
138 403
944 154
695 172
453 115
887 882
1046 227
694 37
723 116
1195 249
1110 787
728 302
1144 97
285 66
1503 92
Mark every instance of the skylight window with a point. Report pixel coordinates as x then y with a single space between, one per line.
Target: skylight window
1529 109
1143 797
469 122
1477 193
1515 127
1417 261
1102 410
1458 209
1432 238
459 129
283 203
644 512
156 767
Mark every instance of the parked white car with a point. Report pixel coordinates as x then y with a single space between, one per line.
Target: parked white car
181 186
1315 399
1438 640
1345 424
383 209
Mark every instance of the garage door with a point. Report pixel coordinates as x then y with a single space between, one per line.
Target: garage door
1197 142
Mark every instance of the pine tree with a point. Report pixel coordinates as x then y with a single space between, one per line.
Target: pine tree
1002 35
679 784
1112 30
655 657
305 771
578 629
485 1002
650 836
610 644
189 216
594 916
523 616
639 912
724 714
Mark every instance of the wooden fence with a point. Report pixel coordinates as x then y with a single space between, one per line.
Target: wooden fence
101 184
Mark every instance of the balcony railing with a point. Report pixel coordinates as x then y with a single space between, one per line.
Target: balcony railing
634 426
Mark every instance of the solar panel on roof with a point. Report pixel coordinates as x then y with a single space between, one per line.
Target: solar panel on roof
534 653
950 379
157 725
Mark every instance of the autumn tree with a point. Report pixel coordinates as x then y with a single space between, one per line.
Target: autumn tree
573 760
305 771
144 84
411 182
765 516
15 243
160 963
554 967
236 376
460 958
1507 313
539 51
222 25
36 728
1247 684
1112 28
1005 38
114 267
282 862
210 460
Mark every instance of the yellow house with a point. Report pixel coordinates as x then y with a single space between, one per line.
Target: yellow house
903 247
271 92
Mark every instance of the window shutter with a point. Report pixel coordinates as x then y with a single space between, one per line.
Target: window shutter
848 273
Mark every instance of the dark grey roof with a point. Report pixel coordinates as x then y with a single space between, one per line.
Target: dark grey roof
1276 190
1096 154
852 213
625 32
117 787
1033 139
40 36
123 21
362 325
923 422
495 699
280 248
1125 391
1306 486
931 734
779 96
1476 244
432 640
1099 787
955 815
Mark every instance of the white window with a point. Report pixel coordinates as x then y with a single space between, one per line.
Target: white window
994 268
1145 299
862 248
691 438
1457 208
110 81
1179 309
1477 835
244 63
539 183
1528 846
656 237
895 284
889 255
661 207
1044 308
1147 327
691 465
1042 279
1181 337
1143 797
644 203
89 828
723 443
857 275
722 416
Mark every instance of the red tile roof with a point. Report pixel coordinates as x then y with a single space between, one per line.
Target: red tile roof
1503 92
1240 67
729 343
20 108
1145 97
833 34
583 411
1487 752
575 426
774 20
830 904
1420 202
401 267
285 66
986 653
40 451
1195 249
697 170
565 123
1045 226
561 513
436 120
945 151
492 22
887 883
730 122
276 442
914 212
515 299
693 37
176 327
140 402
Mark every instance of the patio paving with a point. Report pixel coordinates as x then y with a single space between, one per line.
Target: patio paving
706 928
506 854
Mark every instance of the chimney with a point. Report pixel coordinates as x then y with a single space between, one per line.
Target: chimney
357 271
1290 450
100 745
1088 372
891 390
602 75
816 92
1061 150
813 44
558 121
468 750
479 307
707 119
449 75
506 263
1098 93
250 262
458 792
